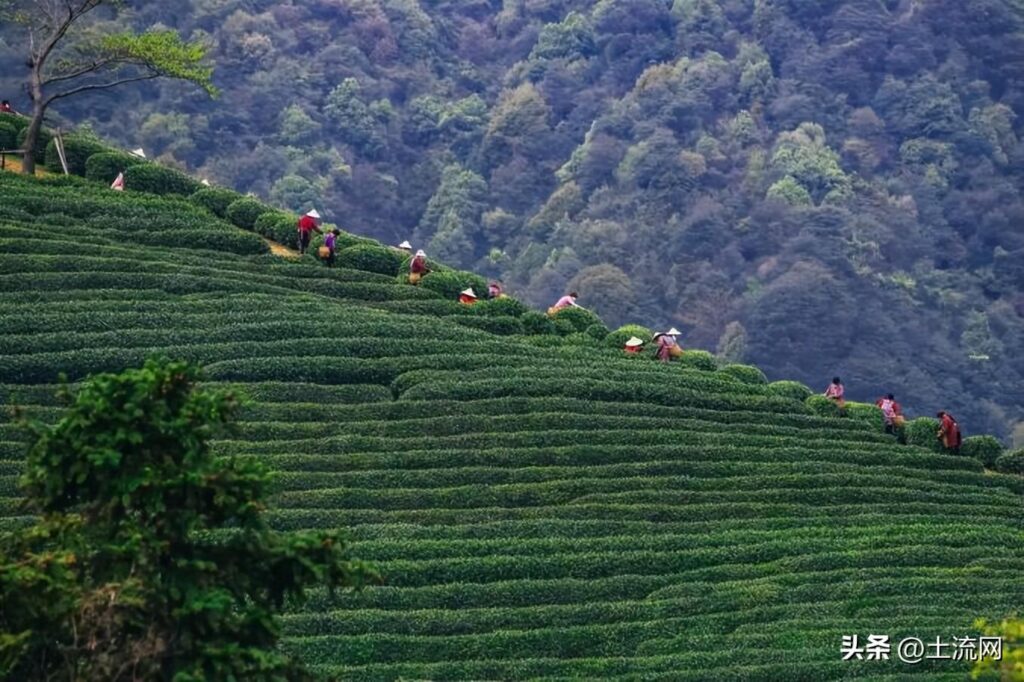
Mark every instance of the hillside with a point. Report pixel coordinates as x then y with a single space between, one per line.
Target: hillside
541 505
750 172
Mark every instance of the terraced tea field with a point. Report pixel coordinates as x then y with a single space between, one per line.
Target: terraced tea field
540 505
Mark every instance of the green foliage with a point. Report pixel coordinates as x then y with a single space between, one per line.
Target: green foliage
745 373
17 122
790 389
822 406
790 191
537 324
164 54
505 306
149 177
105 166
216 200
379 259
985 449
598 332
579 318
698 359
869 414
618 338
141 525
8 135
1011 462
1010 664
353 120
276 225
45 137
246 211
77 150
572 38
922 432
449 283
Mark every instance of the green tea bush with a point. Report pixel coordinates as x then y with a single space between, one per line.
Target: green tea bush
537 324
155 179
77 150
450 283
922 432
618 338
17 122
598 332
748 374
8 135
563 327
579 318
216 200
504 326
500 307
105 166
277 225
869 414
44 141
698 359
822 406
790 389
245 212
986 449
380 259
1011 462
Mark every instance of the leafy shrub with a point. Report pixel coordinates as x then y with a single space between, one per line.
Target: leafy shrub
8 135
379 259
44 141
450 283
821 406
77 150
277 225
245 212
870 414
504 326
155 179
921 432
563 327
790 389
579 339
598 332
216 200
748 374
537 324
698 359
579 318
105 166
17 122
618 338
501 307
1011 462
986 449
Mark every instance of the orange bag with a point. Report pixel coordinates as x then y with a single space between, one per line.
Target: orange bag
325 252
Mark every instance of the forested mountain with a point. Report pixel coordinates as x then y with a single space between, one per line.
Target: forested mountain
819 187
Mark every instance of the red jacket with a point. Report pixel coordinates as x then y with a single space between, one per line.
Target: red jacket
418 266
307 224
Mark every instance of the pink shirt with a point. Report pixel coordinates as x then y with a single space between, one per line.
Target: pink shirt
834 391
564 302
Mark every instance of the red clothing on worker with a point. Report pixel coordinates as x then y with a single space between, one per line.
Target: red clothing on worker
890 409
308 224
6 108
633 350
118 183
668 348
418 266
949 432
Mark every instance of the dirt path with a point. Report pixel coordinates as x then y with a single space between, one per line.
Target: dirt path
281 250
12 164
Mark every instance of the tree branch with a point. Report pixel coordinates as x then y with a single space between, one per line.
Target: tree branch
81 71
100 86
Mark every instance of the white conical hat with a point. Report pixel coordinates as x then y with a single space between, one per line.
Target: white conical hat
634 341
673 332
139 152
314 214
421 253
205 182
405 245
468 292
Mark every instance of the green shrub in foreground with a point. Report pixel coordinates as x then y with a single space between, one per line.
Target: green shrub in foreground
869 414
790 389
618 338
501 307
922 432
245 212
537 324
822 406
380 259
77 150
698 359
748 374
1011 462
215 199
986 449
149 177
277 225
579 318
8 135
17 122
105 166
450 283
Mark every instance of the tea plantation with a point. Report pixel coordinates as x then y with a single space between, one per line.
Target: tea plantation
541 505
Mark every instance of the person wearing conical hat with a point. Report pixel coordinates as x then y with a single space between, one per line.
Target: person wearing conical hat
308 224
668 346
467 296
418 267
405 246
634 345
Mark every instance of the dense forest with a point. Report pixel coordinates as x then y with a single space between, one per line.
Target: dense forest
819 187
